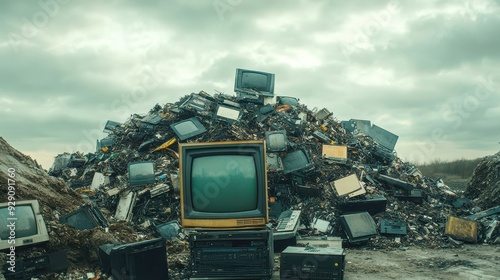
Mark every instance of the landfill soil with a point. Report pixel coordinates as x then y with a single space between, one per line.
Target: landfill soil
467 262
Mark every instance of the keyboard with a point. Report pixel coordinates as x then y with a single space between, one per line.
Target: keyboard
288 223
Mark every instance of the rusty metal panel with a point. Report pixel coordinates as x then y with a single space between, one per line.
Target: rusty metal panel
461 229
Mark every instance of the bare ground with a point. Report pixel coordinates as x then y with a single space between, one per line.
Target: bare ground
468 262
414 263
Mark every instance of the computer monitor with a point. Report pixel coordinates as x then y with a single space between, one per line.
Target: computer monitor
139 260
141 173
188 128
252 80
276 141
298 160
86 217
358 227
29 226
228 113
223 184
110 126
287 100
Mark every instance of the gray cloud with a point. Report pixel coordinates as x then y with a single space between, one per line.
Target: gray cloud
411 68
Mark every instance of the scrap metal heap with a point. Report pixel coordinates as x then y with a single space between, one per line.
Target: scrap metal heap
332 151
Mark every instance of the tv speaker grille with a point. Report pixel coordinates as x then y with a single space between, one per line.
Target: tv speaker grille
253 221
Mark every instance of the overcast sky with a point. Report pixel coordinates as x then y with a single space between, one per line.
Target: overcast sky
427 71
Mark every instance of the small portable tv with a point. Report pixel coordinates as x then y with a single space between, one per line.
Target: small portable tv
228 114
139 260
87 216
276 141
287 100
29 226
223 184
251 80
188 128
358 227
141 173
297 161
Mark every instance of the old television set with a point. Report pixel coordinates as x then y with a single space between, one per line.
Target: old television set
276 141
358 227
297 161
141 173
251 80
228 113
139 260
87 216
29 227
188 128
223 184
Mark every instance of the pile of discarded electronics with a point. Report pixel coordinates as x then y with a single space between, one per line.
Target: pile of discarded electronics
330 184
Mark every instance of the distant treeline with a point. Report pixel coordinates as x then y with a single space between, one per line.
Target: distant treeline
462 168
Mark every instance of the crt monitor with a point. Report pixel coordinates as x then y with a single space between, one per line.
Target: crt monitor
139 260
223 184
254 80
141 173
87 216
188 128
298 160
276 141
29 226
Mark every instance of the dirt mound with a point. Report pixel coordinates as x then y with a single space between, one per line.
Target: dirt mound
55 199
484 186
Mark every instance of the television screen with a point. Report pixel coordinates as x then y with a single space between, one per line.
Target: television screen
86 217
223 184
287 100
169 230
297 160
110 126
26 226
139 260
276 141
188 128
80 220
206 176
359 227
141 173
29 224
229 114
254 80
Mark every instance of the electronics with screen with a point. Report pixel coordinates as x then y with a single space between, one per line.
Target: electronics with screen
223 184
141 173
87 216
254 80
140 260
29 228
358 227
298 160
228 114
276 141
188 128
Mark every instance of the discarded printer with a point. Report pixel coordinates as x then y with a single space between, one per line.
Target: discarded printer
312 263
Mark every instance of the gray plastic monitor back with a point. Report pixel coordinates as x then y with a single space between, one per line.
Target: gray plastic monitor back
383 137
